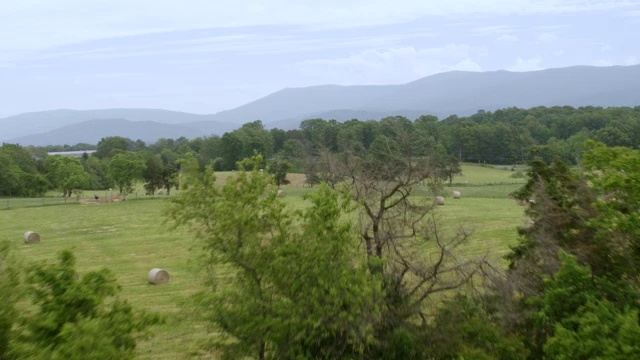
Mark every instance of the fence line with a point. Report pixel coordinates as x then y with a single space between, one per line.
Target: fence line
15 203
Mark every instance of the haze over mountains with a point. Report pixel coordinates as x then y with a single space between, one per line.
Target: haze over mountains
457 92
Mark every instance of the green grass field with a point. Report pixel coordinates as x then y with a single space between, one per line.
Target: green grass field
130 238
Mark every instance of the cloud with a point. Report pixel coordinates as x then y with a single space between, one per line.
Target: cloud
36 24
507 38
492 30
547 37
467 65
602 62
628 60
526 64
390 66
606 48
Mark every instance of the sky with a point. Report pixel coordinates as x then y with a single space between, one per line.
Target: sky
205 56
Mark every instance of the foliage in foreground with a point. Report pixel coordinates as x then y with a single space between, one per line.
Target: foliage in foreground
304 285
572 289
300 289
72 316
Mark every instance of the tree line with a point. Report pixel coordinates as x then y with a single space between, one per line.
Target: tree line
507 136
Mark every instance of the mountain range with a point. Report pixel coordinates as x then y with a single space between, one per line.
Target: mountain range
457 92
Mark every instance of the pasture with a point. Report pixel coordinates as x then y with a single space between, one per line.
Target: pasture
130 238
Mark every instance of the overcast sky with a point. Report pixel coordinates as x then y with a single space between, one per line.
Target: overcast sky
205 56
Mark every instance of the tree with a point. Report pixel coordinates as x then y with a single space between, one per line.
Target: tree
170 169
395 223
9 177
152 174
230 151
10 292
77 316
161 172
581 322
110 146
598 330
615 177
125 168
19 173
66 173
590 216
449 167
98 170
463 328
279 169
301 289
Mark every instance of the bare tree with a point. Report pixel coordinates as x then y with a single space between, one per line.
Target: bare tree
398 227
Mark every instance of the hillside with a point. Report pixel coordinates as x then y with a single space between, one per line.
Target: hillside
93 130
18 128
457 92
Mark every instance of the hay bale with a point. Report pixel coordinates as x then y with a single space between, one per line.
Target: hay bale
31 237
281 194
439 200
457 195
528 224
158 276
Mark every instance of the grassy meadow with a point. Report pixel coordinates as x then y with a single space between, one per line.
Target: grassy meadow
130 237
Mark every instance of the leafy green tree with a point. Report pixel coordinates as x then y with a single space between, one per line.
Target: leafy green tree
171 169
583 324
152 174
464 329
300 290
9 177
126 167
161 172
33 184
615 177
20 172
109 146
98 170
591 214
279 169
598 330
10 292
448 167
67 173
207 148
77 316
231 149
278 137
293 150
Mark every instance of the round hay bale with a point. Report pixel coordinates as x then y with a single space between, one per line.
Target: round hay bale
456 195
439 200
281 194
31 237
158 276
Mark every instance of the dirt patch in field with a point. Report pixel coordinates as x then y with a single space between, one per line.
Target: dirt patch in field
296 180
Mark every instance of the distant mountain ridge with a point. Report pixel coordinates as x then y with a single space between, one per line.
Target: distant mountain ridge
58 127
93 130
456 92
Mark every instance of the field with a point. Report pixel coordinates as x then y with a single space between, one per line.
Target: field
130 238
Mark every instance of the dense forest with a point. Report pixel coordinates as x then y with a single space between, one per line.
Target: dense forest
314 284
508 136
